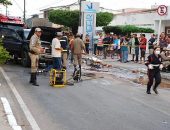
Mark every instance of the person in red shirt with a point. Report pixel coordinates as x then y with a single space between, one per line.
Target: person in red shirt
71 38
100 45
143 42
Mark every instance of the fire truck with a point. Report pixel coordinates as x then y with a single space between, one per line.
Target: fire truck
11 22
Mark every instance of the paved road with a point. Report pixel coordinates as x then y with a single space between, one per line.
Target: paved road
100 104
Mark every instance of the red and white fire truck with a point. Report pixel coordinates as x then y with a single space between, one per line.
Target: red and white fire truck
11 22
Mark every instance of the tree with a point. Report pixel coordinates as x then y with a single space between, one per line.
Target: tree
5 2
103 18
71 18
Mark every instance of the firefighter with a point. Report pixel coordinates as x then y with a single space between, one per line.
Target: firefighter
77 48
154 66
35 50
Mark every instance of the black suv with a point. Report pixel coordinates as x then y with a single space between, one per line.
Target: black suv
17 43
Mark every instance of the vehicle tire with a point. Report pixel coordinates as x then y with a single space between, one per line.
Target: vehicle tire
25 59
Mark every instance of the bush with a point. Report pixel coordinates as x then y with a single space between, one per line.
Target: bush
4 55
126 30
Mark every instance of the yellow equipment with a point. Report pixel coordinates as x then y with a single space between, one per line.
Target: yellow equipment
58 78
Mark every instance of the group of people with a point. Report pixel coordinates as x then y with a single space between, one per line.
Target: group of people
61 44
158 58
122 46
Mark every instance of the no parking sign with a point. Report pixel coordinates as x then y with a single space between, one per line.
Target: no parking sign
162 10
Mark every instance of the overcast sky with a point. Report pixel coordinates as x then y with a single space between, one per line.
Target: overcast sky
33 6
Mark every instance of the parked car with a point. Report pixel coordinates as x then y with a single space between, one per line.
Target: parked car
17 43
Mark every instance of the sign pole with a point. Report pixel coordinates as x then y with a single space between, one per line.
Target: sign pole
159 30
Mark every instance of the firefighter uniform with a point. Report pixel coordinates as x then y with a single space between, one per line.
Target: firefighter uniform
35 50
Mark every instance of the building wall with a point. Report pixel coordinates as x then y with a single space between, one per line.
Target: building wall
141 20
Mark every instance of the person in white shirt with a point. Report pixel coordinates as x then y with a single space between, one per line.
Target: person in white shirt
56 51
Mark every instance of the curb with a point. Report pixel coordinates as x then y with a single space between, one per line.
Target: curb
142 70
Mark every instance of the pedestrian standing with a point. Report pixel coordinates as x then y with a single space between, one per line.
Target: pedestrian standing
95 41
154 66
133 47
124 50
143 42
56 51
162 41
100 45
106 42
71 46
87 43
64 46
136 48
151 43
35 50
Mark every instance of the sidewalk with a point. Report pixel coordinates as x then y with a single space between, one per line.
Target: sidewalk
131 66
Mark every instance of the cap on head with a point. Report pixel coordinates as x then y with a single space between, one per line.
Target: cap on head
38 30
58 34
78 35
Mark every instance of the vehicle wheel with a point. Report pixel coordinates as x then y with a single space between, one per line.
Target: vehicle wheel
25 59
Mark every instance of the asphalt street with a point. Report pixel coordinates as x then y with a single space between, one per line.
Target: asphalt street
107 103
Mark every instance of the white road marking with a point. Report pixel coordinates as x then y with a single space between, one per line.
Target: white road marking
10 116
23 106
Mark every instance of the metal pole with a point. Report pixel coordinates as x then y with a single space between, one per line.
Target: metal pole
80 13
6 10
24 11
159 30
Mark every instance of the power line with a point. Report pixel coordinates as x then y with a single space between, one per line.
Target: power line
18 5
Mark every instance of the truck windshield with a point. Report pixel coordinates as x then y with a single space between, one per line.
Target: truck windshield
15 27
9 33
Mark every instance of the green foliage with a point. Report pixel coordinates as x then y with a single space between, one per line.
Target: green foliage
65 17
103 18
127 29
6 2
71 18
4 55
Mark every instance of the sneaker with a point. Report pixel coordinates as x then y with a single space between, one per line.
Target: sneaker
148 92
155 90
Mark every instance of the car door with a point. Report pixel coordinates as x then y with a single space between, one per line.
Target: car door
12 41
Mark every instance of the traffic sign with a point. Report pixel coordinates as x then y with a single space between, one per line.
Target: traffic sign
162 10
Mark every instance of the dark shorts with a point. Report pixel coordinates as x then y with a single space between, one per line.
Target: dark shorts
143 51
99 48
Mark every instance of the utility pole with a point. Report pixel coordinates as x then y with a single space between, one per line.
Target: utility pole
24 11
80 14
6 10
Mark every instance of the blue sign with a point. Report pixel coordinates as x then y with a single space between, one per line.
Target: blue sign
90 8
89 24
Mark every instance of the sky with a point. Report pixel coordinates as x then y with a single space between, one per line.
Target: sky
34 6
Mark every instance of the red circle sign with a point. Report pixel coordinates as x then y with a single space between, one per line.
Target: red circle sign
162 10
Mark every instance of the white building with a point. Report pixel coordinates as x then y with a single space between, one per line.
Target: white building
144 18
